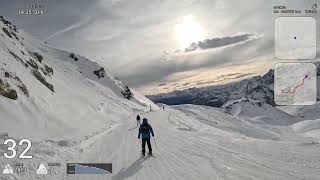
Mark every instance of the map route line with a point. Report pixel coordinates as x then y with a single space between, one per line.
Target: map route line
288 91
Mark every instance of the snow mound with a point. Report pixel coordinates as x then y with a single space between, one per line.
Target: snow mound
308 112
307 125
220 120
259 112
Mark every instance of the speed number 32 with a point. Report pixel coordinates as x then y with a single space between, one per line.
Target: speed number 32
11 149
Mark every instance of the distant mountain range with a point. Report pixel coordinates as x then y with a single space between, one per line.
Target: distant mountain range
257 88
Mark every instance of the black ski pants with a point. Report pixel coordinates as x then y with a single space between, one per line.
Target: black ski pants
144 141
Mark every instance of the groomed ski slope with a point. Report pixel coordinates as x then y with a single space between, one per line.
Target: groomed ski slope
188 149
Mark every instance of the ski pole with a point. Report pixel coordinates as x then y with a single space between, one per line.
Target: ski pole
155 142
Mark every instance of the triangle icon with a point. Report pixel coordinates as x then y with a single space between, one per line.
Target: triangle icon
7 169
42 169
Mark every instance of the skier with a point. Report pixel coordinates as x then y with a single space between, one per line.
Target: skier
145 130
138 120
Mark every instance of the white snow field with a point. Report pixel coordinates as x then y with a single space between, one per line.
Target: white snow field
86 119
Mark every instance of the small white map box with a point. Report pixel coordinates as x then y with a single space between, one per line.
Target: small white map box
295 38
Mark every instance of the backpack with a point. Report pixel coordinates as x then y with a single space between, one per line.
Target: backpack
145 129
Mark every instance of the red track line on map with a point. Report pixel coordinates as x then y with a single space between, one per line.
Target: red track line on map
295 88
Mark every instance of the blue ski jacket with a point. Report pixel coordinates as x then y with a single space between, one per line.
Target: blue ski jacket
145 130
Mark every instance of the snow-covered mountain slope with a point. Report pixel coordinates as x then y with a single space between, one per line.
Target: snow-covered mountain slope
54 95
74 111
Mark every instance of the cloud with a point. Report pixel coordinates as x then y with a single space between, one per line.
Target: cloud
219 42
153 69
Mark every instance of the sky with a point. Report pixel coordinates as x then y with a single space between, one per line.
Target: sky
146 43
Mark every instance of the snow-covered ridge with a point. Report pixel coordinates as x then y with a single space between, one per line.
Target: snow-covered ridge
49 93
32 52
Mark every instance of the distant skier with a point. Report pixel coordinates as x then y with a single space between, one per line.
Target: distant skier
163 107
144 131
138 120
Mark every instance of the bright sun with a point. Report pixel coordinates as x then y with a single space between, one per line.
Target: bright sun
188 31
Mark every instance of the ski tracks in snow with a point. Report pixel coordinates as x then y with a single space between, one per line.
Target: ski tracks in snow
188 155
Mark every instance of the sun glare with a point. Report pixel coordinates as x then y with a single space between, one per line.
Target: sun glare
188 31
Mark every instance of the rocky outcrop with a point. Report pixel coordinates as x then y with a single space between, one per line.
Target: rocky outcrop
21 86
7 91
73 56
38 75
33 64
127 93
38 56
100 73
16 57
5 30
14 81
48 69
